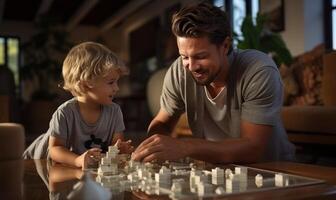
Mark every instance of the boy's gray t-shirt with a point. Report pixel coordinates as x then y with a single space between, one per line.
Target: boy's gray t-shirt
256 89
68 125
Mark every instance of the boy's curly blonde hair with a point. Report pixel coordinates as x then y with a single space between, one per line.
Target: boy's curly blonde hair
87 61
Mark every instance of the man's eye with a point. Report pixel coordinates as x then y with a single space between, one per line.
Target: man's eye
201 57
111 82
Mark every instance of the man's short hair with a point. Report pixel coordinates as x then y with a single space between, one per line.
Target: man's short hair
202 19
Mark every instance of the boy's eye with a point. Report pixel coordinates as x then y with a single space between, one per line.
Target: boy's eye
111 82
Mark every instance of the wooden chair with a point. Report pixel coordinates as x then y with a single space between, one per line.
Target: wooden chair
12 141
11 162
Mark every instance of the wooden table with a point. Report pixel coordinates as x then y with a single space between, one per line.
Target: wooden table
43 182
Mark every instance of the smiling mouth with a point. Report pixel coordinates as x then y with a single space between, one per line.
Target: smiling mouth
198 75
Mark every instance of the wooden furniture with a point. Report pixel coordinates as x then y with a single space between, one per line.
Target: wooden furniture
35 187
12 140
11 165
4 108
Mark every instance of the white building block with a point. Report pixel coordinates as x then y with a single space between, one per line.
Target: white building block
204 189
201 179
217 172
217 176
232 183
259 180
281 180
164 170
228 173
176 187
220 191
241 170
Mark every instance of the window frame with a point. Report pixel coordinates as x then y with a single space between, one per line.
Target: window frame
328 23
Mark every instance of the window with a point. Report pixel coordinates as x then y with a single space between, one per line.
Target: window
9 55
333 23
330 24
237 10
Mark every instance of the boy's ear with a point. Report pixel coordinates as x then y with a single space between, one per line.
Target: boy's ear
86 85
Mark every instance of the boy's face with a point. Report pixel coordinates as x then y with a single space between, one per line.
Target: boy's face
103 89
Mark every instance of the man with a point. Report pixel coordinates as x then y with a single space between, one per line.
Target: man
232 98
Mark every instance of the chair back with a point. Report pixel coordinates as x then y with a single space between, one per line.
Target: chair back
11 162
12 141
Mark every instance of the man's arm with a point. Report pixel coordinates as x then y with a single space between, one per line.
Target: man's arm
163 123
249 148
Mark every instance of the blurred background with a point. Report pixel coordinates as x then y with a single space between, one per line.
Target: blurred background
35 36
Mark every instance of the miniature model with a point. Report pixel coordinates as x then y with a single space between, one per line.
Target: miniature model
189 180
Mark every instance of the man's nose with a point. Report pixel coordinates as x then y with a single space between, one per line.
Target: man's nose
192 66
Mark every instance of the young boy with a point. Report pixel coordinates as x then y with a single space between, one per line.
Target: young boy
84 126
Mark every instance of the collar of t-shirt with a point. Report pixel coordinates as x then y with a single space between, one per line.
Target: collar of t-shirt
216 106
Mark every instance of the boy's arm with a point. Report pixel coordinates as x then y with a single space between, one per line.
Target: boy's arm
59 153
125 147
116 137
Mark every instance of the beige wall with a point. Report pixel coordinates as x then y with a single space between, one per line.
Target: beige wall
303 25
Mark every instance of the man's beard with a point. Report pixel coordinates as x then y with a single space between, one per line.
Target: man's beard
208 80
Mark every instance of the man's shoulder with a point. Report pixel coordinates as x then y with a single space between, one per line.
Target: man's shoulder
254 58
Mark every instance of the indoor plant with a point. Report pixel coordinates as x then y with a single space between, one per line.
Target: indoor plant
258 36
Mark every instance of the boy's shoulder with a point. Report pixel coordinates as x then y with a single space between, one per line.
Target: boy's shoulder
113 107
68 105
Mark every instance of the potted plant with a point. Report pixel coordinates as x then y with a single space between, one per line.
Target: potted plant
41 72
258 36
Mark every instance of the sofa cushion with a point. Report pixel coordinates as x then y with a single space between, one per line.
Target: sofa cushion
309 119
307 70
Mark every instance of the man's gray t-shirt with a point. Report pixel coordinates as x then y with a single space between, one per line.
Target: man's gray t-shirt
68 125
255 88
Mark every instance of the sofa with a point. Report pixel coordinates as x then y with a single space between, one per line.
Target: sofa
313 127
305 124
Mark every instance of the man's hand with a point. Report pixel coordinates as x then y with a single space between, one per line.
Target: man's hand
88 157
160 148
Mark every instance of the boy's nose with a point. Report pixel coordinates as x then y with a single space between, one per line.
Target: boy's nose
116 88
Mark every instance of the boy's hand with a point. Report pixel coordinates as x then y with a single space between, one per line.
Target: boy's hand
90 156
124 147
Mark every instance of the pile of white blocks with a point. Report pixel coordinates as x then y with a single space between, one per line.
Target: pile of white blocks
109 163
163 178
236 181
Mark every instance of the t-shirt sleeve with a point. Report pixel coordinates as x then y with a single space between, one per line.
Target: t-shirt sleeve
263 97
171 98
58 125
119 121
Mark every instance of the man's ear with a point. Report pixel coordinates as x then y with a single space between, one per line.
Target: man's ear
227 45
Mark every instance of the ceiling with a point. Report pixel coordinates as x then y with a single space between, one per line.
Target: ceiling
71 13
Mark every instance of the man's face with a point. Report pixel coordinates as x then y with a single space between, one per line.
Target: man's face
203 59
